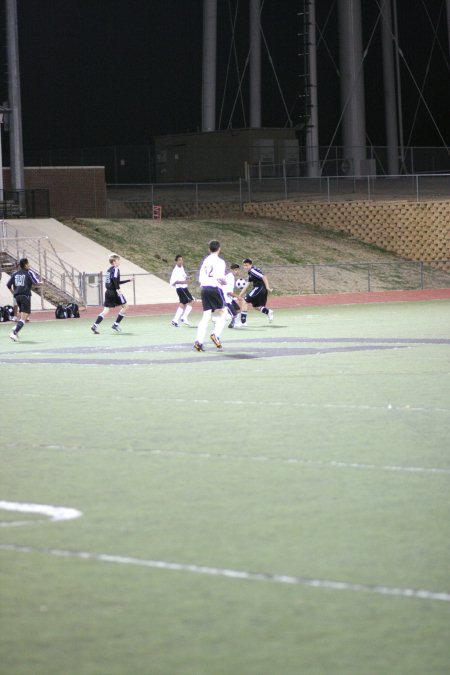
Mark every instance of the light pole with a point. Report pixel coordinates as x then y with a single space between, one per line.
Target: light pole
1 155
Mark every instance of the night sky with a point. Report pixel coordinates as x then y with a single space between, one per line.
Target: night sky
117 72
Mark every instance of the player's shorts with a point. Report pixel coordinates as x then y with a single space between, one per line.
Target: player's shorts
233 308
184 295
23 303
212 298
257 296
114 299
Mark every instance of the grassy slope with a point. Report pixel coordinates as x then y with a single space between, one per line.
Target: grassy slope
153 244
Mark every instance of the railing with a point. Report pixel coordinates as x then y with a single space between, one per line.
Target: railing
44 259
308 278
138 200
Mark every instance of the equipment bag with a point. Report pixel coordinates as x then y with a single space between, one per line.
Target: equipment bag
72 310
60 312
7 313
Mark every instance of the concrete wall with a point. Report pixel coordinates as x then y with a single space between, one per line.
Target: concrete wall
74 191
414 231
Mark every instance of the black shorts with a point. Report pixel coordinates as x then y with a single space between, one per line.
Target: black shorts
114 299
212 298
257 296
23 303
233 308
184 296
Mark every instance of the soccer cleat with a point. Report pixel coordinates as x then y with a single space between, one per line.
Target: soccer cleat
116 327
174 323
185 321
198 346
94 329
216 341
270 315
14 337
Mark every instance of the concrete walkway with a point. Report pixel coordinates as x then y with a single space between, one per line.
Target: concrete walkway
87 256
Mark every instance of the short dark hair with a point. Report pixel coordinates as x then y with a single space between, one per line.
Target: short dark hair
214 245
248 260
23 262
234 266
178 256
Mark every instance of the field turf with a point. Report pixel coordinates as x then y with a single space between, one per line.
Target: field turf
278 508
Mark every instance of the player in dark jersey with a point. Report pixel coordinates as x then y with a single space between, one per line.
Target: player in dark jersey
257 296
113 296
20 284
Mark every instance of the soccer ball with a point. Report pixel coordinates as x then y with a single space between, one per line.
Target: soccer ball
240 283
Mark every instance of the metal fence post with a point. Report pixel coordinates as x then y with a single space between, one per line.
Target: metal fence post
241 205
368 278
196 198
314 277
417 187
285 179
421 274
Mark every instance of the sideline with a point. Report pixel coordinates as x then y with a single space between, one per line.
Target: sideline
418 594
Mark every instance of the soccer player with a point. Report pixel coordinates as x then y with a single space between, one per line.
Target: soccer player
257 297
179 280
113 295
231 299
211 279
20 285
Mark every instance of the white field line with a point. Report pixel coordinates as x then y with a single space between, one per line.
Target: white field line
297 460
330 464
244 402
419 594
54 513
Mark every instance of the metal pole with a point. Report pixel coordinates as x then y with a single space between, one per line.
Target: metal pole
255 64
399 90
312 131
209 65
389 88
352 82
15 134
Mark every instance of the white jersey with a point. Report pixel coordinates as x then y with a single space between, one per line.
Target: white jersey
228 289
178 274
213 268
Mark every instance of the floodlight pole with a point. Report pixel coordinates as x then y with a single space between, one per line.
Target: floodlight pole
209 65
15 134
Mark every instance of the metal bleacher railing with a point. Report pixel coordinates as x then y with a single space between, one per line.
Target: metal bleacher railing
60 281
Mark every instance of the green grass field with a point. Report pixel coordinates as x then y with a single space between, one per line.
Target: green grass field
280 508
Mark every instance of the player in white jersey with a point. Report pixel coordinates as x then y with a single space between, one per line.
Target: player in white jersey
212 279
178 280
231 299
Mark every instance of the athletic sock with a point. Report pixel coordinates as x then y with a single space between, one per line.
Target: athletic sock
20 324
243 317
178 314
119 318
187 311
99 319
264 310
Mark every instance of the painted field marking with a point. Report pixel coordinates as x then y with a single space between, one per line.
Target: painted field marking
54 513
298 460
406 408
240 457
418 594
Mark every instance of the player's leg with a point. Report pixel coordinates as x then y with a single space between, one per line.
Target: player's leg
120 316
99 319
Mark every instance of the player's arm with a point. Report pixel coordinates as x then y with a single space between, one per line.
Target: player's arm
266 283
244 290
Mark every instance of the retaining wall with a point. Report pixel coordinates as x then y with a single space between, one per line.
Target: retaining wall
414 231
